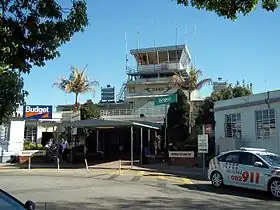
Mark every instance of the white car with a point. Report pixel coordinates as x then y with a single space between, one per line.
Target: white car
248 168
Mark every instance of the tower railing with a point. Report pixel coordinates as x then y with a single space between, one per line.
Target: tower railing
145 111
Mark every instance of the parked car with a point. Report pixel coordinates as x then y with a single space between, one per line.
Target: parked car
8 202
250 168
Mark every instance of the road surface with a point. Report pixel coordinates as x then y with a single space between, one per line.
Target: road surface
126 191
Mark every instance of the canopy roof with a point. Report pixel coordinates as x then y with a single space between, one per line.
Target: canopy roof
96 123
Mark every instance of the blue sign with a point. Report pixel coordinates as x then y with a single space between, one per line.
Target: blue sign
37 112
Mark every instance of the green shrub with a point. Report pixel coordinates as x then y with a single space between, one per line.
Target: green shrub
27 145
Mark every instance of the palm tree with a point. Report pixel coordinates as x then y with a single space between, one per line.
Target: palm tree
76 83
188 83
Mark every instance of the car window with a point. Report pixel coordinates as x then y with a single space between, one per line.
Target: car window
249 159
232 157
8 203
271 158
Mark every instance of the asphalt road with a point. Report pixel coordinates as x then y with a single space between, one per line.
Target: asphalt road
126 191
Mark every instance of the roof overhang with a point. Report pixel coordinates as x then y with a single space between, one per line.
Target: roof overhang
110 124
152 49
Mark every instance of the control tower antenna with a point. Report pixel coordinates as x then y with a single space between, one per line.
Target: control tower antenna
194 36
186 35
138 35
155 52
176 40
176 44
126 54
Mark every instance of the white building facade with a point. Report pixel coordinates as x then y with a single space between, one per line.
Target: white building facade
14 133
250 121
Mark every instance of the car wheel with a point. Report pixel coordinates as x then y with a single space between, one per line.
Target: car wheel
216 179
274 188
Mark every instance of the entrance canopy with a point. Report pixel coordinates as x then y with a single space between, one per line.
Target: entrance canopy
99 124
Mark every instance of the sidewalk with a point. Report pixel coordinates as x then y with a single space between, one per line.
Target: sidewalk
192 173
40 166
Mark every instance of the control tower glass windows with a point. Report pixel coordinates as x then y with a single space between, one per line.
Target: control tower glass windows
184 60
174 56
163 57
142 59
153 59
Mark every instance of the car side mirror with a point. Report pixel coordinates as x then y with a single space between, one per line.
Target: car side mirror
29 205
258 164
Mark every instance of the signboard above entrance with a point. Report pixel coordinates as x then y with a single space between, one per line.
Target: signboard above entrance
181 154
172 98
37 112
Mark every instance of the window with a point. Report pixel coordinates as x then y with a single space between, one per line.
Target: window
7 202
272 159
232 157
265 123
249 159
4 133
30 133
174 56
163 57
233 126
142 59
131 89
152 58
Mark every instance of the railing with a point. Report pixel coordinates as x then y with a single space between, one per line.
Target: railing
145 111
155 68
151 80
156 94
66 115
159 67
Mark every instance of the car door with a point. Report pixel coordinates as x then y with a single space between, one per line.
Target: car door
230 168
253 177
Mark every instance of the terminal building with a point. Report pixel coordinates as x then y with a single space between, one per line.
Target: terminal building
249 121
135 101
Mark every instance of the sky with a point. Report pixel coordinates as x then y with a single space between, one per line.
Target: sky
247 48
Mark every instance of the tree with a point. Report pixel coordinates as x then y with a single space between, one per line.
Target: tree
177 120
31 31
89 110
76 83
230 9
206 114
189 83
11 94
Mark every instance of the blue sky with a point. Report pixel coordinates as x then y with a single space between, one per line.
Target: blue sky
247 48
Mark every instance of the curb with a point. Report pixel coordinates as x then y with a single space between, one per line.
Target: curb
189 175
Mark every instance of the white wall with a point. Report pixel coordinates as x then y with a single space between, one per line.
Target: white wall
248 123
16 136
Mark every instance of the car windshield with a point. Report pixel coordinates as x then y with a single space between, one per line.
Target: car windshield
272 159
9 203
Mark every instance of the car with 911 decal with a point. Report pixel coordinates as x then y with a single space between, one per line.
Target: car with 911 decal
250 168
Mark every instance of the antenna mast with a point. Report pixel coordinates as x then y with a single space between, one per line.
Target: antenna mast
155 53
186 35
138 42
176 44
126 55
194 36
176 40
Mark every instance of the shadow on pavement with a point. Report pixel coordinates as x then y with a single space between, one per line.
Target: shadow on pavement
183 172
227 190
156 202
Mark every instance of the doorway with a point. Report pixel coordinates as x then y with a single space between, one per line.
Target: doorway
46 136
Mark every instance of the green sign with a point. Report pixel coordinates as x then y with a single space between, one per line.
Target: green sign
172 98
